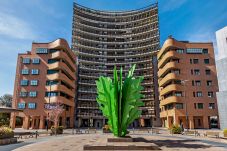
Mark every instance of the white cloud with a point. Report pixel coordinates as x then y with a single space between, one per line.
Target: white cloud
14 27
170 5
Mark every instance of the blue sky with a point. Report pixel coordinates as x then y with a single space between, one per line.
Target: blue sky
24 21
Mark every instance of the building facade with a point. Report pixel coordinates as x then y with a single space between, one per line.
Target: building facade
44 76
188 84
104 39
221 63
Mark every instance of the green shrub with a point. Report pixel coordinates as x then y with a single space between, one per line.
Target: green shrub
225 131
59 130
6 132
175 129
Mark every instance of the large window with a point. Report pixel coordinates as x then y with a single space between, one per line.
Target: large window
24 82
25 71
26 61
34 82
35 71
180 51
21 105
197 51
41 50
32 105
36 61
33 94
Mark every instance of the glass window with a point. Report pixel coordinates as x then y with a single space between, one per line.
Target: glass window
21 105
199 94
210 94
31 105
53 50
35 60
41 50
176 72
206 61
34 82
50 61
24 82
194 50
26 60
180 51
205 51
50 94
195 61
208 72
51 82
35 71
23 94
25 71
198 83
52 71
209 83
211 106
33 94
179 106
200 105
178 93
197 72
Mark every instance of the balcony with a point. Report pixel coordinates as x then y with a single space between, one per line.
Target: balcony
167 56
61 88
170 88
171 99
167 67
63 100
169 77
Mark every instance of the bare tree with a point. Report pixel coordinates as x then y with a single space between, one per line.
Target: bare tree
6 100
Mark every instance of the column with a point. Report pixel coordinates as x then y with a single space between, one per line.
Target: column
12 120
26 122
41 123
205 122
176 120
190 122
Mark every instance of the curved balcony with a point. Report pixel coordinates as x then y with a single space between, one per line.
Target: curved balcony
169 77
124 50
86 99
60 99
114 14
63 55
61 76
172 99
171 88
62 66
167 56
61 88
80 91
82 83
78 30
117 43
168 67
126 63
111 71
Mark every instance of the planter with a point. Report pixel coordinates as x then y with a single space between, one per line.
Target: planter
6 141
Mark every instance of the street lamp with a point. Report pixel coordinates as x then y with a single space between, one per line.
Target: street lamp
186 109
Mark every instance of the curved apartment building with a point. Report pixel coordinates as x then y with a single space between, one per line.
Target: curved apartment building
45 75
104 39
187 84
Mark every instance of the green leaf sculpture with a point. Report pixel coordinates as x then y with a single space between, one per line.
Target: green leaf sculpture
120 101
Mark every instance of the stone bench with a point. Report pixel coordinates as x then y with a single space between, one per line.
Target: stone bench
213 134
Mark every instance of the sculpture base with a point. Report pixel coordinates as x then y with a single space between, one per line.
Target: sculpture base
118 147
120 139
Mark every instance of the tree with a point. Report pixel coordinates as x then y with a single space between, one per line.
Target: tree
6 100
120 101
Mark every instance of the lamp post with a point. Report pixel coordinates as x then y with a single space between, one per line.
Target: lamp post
186 109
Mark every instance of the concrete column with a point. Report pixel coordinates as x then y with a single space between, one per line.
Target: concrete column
176 120
12 120
41 123
191 122
205 122
26 122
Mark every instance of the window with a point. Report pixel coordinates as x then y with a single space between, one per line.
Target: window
34 82
50 94
195 61
194 50
180 51
199 94
31 105
197 72
24 82
21 105
52 71
209 83
197 83
35 60
179 106
210 94
51 82
23 94
178 93
26 61
208 72
205 51
25 71
53 50
211 106
35 71
50 61
176 72
41 50
206 61
200 105
33 94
